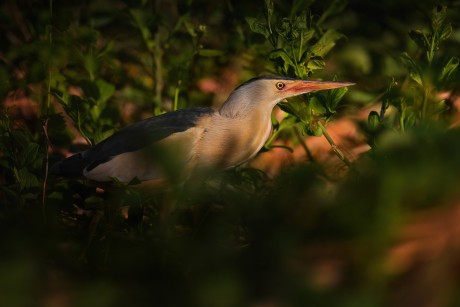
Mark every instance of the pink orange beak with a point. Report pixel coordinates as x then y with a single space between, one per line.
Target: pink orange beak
304 86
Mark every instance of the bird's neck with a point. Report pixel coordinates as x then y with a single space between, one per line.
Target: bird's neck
245 129
245 104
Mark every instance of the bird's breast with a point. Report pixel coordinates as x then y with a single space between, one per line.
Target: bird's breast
231 142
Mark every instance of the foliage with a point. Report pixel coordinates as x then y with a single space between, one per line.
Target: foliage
21 165
305 237
416 100
299 47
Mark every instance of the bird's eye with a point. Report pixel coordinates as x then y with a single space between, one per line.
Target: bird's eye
279 85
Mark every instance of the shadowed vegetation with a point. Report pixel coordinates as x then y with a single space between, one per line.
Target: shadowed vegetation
354 200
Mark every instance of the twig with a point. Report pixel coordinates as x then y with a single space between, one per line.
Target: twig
302 143
334 147
45 178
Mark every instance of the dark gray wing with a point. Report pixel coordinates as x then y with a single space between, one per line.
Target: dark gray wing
131 138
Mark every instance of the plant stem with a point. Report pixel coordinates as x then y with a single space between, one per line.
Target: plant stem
157 55
302 143
425 101
334 147
271 139
300 46
401 120
176 95
294 58
45 122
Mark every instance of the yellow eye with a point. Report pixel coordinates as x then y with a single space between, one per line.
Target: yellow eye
279 85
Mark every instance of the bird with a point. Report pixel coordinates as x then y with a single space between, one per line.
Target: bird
185 142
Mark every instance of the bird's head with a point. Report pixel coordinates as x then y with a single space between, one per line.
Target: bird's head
267 91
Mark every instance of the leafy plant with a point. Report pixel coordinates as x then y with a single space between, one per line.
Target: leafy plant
416 99
20 163
299 47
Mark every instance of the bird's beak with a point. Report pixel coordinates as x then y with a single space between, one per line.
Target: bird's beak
304 86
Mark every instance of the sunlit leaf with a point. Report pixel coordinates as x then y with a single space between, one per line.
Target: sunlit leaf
334 96
317 106
288 122
315 63
307 35
326 42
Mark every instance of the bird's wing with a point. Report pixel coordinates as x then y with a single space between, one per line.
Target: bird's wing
130 139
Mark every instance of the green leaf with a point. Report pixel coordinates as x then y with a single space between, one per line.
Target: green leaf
296 106
26 179
411 118
105 89
90 89
258 27
317 106
438 17
373 121
414 68
28 154
307 35
287 30
420 39
439 27
316 63
190 27
281 54
107 49
334 97
91 64
326 42
288 122
416 77
449 68
445 32
63 98
270 7
440 107
300 22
